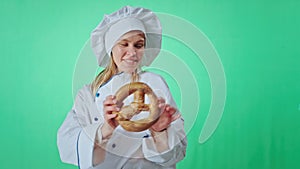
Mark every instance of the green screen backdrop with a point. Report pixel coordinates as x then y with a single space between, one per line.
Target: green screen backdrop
256 49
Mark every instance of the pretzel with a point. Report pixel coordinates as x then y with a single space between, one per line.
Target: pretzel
139 90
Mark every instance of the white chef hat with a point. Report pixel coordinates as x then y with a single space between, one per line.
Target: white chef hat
127 19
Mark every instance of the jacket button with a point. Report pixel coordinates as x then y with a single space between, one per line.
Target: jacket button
97 94
96 118
113 145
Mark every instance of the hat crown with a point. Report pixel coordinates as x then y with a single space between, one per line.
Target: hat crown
151 28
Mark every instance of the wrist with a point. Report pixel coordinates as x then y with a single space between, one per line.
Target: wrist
155 129
156 133
106 131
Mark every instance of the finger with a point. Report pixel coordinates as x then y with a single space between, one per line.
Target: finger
161 100
175 117
110 116
113 123
109 102
161 105
171 110
109 109
110 97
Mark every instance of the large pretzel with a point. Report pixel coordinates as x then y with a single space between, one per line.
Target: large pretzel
127 112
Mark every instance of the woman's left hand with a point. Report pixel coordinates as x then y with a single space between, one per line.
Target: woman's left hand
167 116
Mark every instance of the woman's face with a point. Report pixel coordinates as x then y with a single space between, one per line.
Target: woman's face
128 51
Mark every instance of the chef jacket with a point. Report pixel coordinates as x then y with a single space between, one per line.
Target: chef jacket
133 150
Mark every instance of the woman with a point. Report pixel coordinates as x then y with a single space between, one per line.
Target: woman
90 137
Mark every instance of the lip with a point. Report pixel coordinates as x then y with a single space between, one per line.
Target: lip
130 61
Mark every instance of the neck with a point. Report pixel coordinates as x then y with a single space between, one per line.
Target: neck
128 72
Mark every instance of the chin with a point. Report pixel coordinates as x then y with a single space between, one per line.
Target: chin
129 69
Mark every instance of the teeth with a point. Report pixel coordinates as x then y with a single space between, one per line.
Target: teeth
130 61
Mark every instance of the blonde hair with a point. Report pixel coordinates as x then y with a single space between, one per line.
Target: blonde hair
110 70
104 76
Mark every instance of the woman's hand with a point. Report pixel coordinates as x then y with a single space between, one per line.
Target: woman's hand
166 118
109 106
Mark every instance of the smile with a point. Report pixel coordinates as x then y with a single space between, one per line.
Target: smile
129 61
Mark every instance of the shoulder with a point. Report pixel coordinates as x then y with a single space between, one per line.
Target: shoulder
152 76
85 92
154 80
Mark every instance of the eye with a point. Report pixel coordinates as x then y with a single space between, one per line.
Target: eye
139 45
124 44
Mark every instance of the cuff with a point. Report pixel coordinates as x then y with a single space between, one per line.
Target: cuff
85 146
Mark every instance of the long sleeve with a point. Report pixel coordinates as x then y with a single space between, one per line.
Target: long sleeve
76 136
176 135
177 146
67 137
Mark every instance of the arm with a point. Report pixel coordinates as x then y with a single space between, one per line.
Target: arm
175 151
106 130
76 136
168 143
159 129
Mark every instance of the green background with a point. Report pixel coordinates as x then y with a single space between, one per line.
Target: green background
257 42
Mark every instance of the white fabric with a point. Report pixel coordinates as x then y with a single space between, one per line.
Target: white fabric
102 43
76 136
119 29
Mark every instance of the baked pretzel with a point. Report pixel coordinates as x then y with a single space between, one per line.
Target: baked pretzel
139 90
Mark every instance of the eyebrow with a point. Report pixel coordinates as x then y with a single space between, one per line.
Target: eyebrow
125 40
140 35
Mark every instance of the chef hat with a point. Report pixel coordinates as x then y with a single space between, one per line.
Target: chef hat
127 19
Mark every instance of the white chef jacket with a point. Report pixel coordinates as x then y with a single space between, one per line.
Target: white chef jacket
77 135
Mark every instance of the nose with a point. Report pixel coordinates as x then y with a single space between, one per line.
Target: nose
131 51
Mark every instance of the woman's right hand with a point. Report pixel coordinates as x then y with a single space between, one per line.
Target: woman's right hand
109 106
